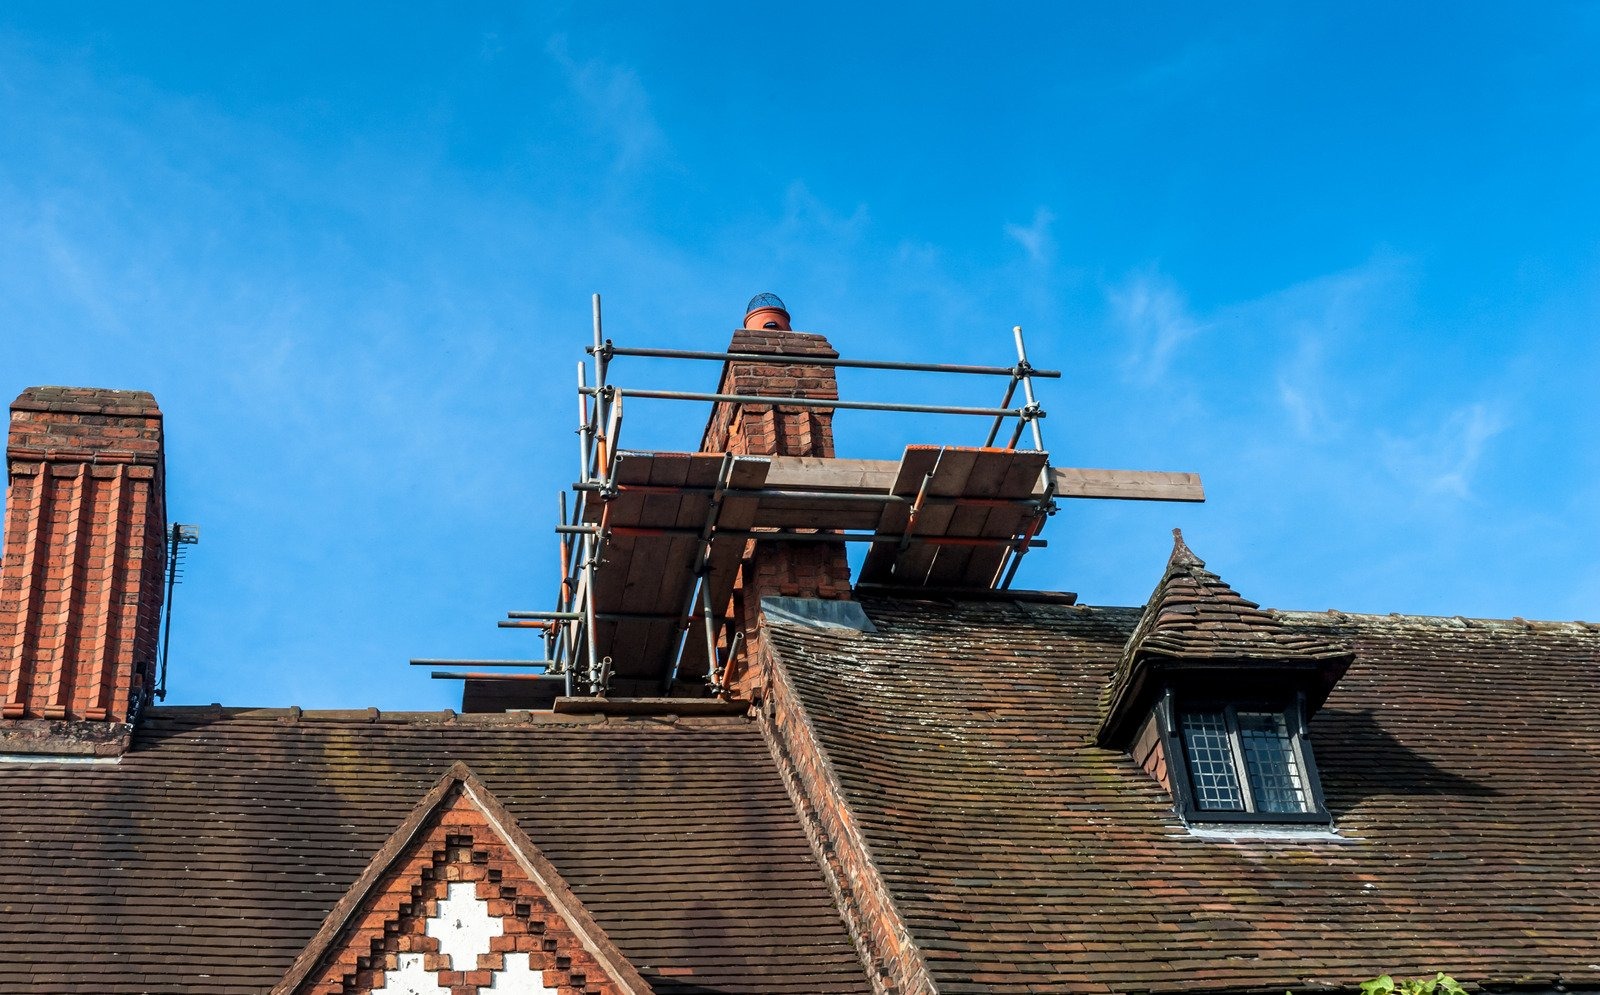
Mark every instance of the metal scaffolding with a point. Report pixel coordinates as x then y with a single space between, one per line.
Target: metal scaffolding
991 503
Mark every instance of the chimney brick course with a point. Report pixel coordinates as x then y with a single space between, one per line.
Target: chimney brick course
767 430
81 573
788 569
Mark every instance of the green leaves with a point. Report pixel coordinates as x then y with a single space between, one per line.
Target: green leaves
1439 984
1381 985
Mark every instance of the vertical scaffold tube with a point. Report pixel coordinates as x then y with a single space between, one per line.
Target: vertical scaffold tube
593 546
585 427
1027 389
556 634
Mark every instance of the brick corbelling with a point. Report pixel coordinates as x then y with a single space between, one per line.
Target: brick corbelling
88 400
893 961
132 437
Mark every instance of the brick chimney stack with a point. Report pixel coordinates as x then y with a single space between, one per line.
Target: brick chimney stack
762 430
81 577
790 569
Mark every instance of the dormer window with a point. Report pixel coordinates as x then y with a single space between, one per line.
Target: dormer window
1211 697
1243 763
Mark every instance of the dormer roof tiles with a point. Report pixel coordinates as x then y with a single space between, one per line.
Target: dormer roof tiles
1195 620
1195 614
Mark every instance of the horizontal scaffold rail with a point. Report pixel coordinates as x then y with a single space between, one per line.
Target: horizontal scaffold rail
782 535
445 675
814 402
483 663
803 359
570 616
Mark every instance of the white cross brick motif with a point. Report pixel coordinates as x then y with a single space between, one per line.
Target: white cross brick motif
464 926
411 978
452 905
520 978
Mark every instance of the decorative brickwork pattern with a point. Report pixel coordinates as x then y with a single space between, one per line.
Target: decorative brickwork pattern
84 542
764 430
460 903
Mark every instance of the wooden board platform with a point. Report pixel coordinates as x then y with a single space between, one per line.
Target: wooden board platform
976 506
984 493
650 544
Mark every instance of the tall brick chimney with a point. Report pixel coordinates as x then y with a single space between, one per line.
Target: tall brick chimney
81 578
790 569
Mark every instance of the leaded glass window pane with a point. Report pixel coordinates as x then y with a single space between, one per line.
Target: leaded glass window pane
1274 775
1210 756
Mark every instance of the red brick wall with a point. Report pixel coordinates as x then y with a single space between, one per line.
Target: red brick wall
892 959
84 553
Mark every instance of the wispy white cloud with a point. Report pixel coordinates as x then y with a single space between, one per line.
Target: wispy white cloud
615 105
1320 337
67 263
1153 312
1181 71
807 218
1322 318
1440 461
491 45
1035 237
1306 352
1300 387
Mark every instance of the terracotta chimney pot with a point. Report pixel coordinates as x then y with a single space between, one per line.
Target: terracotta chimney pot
766 311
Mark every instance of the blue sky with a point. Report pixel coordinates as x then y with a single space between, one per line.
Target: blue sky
1344 264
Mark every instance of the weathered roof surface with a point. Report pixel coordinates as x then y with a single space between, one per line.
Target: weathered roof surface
1458 759
209 856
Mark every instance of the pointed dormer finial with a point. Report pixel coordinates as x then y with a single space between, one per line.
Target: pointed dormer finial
1181 553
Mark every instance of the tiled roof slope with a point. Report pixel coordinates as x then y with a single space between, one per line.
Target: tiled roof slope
1458 759
209 855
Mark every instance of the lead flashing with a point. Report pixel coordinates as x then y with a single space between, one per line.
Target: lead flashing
817 613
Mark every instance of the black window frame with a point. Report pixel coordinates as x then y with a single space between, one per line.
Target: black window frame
1169 709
